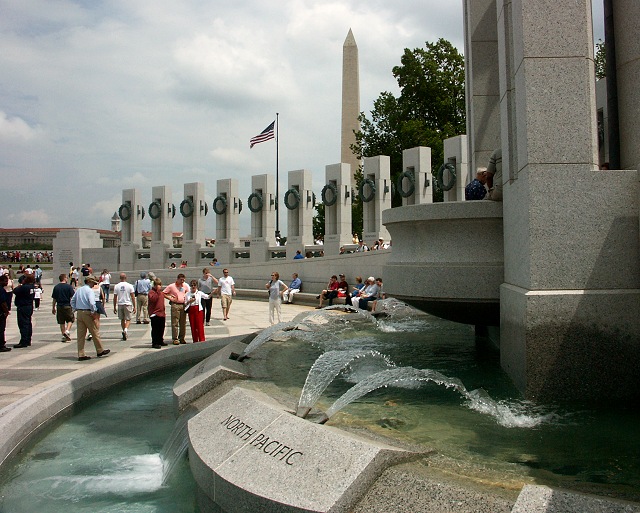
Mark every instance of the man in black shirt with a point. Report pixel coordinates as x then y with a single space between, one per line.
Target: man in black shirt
24 295
5 308
61 307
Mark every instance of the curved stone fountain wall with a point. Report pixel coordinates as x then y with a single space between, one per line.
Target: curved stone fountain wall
447 259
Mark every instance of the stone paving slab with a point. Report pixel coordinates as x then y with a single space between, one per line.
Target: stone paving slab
48 361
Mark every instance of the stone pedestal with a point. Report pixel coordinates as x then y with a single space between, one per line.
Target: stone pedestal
193 209
456 152
416 166
131 212
161 211
376 171
262 204
226 206
337 216
299 207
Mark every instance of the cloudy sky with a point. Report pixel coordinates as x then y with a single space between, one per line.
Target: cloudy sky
97 96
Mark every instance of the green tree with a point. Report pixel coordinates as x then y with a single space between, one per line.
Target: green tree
429 109
600 60
318 221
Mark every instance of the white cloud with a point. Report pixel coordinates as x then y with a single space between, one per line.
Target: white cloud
15 128
96 97
31 218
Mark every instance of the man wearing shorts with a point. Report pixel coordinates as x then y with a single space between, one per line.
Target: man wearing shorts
176 293
61 306
227 288
124 303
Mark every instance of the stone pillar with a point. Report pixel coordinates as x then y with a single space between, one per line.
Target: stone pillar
161 211
228 203
626 14
337 216
193 209
482 82
456 152
299 211
261 202
417 163
376 170
569 301
350 103
131 212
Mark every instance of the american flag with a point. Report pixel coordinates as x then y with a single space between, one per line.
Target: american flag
263 136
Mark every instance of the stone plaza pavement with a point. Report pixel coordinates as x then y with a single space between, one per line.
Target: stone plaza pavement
48 361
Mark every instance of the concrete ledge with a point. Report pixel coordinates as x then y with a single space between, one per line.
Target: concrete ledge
22 419
542 499
248 453
207 375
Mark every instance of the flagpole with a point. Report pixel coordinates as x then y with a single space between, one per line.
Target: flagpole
277 180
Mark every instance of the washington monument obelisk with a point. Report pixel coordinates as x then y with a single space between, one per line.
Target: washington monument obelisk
350 102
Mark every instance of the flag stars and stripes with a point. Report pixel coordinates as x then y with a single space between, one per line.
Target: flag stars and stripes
265 135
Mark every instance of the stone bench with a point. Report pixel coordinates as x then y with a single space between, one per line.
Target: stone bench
300 298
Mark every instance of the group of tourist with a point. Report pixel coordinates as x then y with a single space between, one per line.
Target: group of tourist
145 298
359 296
27 256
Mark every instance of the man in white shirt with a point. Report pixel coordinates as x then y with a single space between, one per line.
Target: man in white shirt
227 288
124 303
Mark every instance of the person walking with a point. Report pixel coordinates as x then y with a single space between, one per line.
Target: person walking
227 289
176 294
124 303
5 310
23 299
83 303
275 303
207 284
142 288
61 306
105 284
157 314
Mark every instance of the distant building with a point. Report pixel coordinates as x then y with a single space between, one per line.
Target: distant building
20 237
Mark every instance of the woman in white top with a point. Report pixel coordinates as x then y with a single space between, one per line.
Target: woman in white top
105 284
274 287
195 310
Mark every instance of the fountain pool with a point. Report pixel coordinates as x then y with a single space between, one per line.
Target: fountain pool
517 442
104 457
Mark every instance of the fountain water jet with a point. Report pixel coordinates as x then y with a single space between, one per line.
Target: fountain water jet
406 377
263 337
325 369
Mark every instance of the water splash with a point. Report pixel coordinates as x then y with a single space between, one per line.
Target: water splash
510 414
176 446
326 368
122 477
507 415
